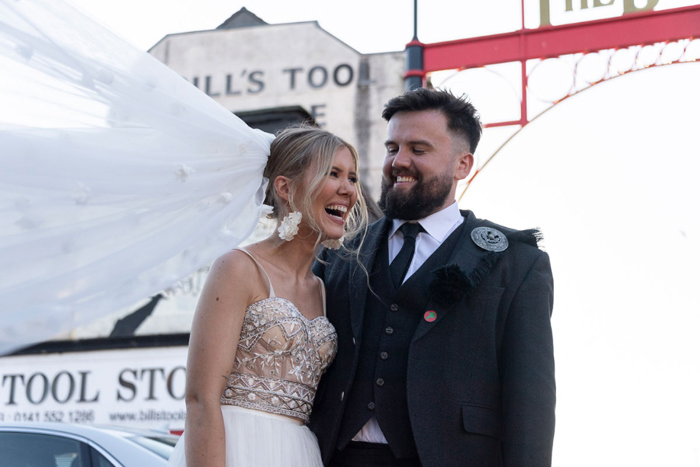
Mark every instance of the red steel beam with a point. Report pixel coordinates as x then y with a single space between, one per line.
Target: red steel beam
552 41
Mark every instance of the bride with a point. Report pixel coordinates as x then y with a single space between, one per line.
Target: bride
260 339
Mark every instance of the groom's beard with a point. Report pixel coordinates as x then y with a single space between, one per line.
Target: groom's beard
422 200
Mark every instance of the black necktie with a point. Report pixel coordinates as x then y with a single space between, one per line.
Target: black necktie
399 266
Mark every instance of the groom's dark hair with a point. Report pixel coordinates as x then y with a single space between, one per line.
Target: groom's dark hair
462 117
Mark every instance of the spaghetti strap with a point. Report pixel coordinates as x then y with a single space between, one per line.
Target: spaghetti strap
323 295
272 290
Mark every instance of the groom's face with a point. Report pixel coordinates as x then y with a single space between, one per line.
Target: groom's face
423 163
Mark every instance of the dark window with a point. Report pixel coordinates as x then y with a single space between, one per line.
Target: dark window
98 460
39 450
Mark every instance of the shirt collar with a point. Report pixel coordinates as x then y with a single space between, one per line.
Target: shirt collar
438 225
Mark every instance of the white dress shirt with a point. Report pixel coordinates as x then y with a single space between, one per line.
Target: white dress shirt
438 226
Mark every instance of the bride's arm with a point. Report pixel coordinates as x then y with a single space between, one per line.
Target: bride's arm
216 328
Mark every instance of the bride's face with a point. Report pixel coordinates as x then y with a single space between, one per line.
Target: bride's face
337 197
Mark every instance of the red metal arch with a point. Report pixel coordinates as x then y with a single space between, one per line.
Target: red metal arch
636 29
552 41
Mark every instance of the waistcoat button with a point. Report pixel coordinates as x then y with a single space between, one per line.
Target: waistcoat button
394 307
370 406
380 382
383 355
389 330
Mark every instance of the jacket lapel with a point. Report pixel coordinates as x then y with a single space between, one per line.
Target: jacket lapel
473 261
358 279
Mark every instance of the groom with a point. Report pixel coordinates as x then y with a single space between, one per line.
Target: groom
445 350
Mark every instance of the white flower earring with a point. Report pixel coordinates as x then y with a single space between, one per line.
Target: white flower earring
289 226
333 243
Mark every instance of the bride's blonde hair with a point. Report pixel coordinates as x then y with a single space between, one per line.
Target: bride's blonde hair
296 150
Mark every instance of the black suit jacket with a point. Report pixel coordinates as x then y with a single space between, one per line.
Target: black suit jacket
480 379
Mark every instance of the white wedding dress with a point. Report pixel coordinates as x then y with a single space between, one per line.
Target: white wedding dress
270 391
118 178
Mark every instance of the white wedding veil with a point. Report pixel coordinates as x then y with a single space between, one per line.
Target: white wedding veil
118 178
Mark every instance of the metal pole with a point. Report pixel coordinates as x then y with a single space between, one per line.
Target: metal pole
413 78
523 69
415 20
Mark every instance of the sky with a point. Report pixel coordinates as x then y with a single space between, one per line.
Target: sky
369 26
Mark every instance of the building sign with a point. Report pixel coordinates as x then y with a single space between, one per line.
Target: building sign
251 82
278 82
570 6
133 387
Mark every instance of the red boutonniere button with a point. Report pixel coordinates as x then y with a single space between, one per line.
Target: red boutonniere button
430 316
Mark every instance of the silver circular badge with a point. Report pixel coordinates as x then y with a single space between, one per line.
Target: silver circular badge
489 239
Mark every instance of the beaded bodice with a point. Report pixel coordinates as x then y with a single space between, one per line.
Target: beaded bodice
280 358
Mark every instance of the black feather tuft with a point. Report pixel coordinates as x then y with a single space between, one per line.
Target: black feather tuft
532 237
448 286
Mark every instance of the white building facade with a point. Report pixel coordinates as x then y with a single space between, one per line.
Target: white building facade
247 65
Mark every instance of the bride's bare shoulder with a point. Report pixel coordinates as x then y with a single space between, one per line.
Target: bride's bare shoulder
235 272
233 262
